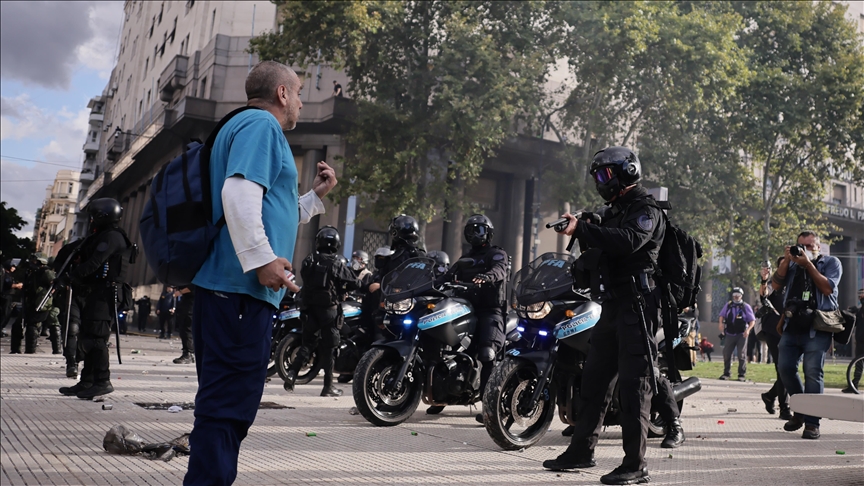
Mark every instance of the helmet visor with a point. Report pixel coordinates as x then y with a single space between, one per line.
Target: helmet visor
476 230
603 175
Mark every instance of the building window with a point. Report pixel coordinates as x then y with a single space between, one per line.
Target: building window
203 92
71 187
212 22
183 48
148 97
146 67
173 31
93 139
189 5
140 108
839 196
187 45
161 10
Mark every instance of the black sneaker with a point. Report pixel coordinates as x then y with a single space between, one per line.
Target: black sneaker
624 476
98 389
811 432
331 392
289 381
565 461
344 378
742 379
479 419
434 410
793 424
568 431
786 414
769 404
71 391
724 377
849 389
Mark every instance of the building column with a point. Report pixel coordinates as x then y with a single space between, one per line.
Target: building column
528 221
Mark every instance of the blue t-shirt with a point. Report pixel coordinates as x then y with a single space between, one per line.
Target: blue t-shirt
253 146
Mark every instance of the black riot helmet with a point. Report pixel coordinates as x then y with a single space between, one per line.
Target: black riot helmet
613 169
405 228
104 212
327 240
442 261
478 230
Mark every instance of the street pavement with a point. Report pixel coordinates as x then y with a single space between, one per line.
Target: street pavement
51 439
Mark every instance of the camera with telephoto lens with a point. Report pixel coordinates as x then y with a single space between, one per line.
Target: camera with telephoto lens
766 309
796 250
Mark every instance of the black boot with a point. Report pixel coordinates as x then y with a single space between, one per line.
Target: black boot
289 381
71 391
96 390
71 369
330 391
674 435
568 431
624 476
570 461
30 337
434 410
56 347
344 378
185 358
769 404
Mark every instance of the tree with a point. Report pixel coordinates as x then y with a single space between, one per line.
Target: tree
10 222
645 68
798 120
439 86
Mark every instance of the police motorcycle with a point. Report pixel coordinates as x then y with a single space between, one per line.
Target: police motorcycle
426 359
682 388
285 322
290 340
544 369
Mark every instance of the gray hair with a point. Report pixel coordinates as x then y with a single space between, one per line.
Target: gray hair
265 78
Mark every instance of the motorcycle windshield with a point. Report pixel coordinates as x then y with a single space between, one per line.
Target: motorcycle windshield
413 277
546 278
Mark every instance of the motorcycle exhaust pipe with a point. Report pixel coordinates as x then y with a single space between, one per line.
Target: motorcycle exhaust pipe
686 388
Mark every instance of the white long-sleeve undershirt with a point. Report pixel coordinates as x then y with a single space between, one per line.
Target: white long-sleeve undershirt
242 201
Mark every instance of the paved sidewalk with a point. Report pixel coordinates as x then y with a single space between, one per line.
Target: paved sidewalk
51 439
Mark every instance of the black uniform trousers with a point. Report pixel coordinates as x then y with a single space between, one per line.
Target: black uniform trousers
777 391
184 328
617 346
96 322
488 333
321 333
664 401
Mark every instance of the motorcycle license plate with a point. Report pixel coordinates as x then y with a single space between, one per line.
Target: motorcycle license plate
289 314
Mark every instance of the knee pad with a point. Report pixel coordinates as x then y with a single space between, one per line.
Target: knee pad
486 354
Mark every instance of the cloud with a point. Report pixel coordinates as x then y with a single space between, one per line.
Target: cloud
43 42
22 119
26 197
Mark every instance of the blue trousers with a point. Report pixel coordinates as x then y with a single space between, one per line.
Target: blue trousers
791 350
232 335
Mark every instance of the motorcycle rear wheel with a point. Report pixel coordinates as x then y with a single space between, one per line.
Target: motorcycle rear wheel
373 394
285 355
511 382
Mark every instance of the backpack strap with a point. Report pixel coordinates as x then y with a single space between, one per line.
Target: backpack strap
205 165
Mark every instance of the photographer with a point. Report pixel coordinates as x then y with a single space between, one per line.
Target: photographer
811 282
740 320
772 305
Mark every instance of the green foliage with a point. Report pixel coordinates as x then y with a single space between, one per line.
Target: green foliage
439 85
12 246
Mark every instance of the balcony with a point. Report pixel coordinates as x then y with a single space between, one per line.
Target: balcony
61 195
96 117
91 147
173 77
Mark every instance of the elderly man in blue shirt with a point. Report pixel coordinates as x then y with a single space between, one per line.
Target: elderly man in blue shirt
811 282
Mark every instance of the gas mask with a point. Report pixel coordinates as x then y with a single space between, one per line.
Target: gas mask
356 265
737 298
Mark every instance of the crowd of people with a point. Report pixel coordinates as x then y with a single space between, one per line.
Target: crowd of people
225 318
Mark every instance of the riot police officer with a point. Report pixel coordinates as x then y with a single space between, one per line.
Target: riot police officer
69 311
97 279
37 278
324 274
442 260
626 242
360 266
486 266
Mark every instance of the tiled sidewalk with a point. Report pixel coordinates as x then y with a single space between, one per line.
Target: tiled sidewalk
51 439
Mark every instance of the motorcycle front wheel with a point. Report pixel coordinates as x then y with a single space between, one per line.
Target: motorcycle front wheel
377 398
285 355
511 384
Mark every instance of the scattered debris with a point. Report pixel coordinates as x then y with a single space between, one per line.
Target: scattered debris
107 406
731 410
522 450
175 409
136 351
99 399
413 433
353 411
841 453
311 434
721 422
670 456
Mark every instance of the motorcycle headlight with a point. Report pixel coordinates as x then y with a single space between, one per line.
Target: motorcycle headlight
536 311
400 307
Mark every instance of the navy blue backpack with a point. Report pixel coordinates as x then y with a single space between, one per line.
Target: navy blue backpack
177 226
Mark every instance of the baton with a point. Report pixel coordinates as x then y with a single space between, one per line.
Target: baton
68 314
648 350
116 323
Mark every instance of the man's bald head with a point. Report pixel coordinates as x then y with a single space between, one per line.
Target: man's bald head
265 78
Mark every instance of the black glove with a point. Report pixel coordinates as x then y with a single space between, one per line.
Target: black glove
484 278
592 218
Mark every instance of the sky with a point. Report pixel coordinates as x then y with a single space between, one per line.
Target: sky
54 57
